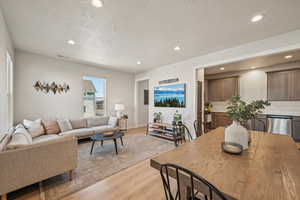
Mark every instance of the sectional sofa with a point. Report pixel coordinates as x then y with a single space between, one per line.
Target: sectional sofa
26 159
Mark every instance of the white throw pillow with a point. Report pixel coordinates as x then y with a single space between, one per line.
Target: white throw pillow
35 128
64 125
113 121
5 139
20 138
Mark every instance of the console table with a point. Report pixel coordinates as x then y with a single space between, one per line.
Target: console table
165 131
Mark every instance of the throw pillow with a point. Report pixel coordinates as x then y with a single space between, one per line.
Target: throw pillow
97 121
34 128
64 125
5 139
20 138
113 121
51 127
78 123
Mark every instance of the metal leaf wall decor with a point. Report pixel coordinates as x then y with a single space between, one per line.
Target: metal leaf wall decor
55 88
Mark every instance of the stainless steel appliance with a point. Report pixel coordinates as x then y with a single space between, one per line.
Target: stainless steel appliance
280 124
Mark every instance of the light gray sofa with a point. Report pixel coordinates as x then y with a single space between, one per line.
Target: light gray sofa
36 162
23 164
86 127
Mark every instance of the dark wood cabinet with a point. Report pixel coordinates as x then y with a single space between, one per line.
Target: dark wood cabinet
259 124
296 85
284 85
296 129
220 119
222 89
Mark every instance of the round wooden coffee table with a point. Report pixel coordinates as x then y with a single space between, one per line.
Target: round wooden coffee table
101 137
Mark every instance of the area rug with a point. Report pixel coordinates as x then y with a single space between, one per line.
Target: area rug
104 162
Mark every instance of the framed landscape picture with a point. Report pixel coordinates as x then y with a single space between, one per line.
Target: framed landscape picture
170 96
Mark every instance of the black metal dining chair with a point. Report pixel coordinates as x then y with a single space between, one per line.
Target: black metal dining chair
173 193
182 133
198 128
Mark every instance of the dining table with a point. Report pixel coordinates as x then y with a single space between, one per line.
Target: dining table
268 170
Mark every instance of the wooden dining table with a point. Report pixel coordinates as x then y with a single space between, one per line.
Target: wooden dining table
268 170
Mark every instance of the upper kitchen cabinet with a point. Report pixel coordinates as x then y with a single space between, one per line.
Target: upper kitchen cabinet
222 89
284 85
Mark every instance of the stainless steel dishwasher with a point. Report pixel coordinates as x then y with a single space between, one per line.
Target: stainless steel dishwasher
280 124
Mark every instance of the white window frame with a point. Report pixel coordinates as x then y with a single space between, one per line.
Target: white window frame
105 91
10 88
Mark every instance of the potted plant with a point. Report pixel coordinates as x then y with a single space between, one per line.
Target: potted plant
177 117
241 112
157 117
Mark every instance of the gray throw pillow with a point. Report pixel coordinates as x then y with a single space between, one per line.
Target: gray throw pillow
64 125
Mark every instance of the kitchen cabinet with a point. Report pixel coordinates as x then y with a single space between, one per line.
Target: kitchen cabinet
222 89
220 119
259 124
296 85
296 129
284 85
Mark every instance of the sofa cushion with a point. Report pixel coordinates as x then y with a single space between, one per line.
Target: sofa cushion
34 128
102 129
97 121
113 121
78 132
5 139
64 125
78 123
20 138
45 138
51 127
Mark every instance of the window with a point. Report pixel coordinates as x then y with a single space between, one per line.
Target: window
94 96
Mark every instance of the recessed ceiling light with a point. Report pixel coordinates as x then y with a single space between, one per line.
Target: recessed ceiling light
288 56
97 3
72 42
138 62
257 18
253 67
177 48
222 68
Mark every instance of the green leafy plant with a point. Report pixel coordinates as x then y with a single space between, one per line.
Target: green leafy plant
157 116
241 112
177 116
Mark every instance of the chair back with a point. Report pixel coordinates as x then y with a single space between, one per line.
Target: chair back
173 189
183 132
198 128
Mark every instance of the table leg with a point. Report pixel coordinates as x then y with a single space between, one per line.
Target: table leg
122 141
92 148
116 146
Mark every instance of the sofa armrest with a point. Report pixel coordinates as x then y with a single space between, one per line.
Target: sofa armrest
37 162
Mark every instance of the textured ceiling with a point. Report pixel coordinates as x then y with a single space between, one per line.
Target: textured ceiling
125 31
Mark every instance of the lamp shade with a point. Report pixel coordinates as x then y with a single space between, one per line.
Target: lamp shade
119 107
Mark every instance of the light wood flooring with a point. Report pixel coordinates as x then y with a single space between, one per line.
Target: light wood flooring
137 182
140 182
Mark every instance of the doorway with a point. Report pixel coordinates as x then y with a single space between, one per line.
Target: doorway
142 103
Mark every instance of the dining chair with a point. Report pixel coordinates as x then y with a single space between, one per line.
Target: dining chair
262 122
173 193
198 128
182 133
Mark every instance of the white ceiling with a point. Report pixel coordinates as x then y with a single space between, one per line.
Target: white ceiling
125 31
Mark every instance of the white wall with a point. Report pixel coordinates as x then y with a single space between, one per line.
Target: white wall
186 70
143 110
253 86
32 104
5 45
187 75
